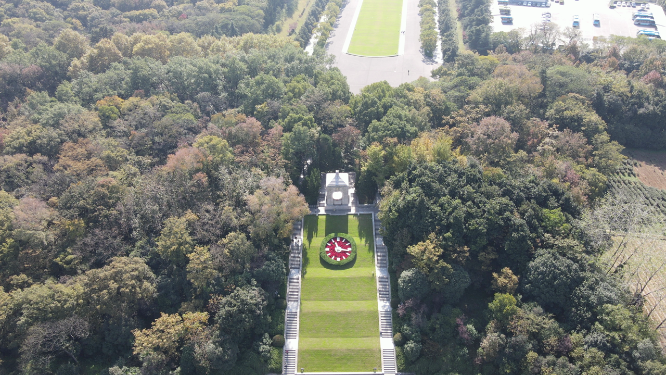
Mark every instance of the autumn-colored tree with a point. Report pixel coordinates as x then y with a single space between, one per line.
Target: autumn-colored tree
155 46
274 207
428 258
80 160
505 281
72 43
102 55
200 270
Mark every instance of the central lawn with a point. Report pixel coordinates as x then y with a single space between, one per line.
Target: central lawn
339 320
377 30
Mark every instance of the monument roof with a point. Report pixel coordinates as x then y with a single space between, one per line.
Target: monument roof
337 179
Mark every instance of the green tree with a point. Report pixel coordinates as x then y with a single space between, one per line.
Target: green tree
175 242
413 284
239 313
503 308
200 270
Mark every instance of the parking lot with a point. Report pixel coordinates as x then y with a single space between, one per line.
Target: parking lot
612 21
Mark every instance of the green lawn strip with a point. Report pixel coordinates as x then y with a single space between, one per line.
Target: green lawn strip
328 343
339 360
318 306
377 31
339 321
339 289
340 324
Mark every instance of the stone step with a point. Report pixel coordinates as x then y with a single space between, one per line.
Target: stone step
388 361
289 363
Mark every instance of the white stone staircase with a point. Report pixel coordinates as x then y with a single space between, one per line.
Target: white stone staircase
291 321
389 365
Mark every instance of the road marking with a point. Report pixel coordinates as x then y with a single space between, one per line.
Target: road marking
403 28
352 27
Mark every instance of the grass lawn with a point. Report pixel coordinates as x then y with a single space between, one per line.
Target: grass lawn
339 320
377 31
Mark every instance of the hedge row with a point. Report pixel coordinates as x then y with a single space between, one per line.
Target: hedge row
475 17
324 29
305 32
428 34
448 30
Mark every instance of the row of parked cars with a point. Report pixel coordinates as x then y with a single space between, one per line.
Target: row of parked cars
534 4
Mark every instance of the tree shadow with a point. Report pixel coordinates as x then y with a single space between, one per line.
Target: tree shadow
311 223
366 232
305 260
336 224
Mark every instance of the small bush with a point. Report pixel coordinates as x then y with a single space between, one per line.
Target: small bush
398 339
395 302
275 363
413 284
412 350
400 359
278 341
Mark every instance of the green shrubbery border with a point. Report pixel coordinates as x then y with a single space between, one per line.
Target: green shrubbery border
322 249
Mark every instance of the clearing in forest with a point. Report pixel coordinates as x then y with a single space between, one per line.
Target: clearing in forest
298 18
377 31
339 319
651 167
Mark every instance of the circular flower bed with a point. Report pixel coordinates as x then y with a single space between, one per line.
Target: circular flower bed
338 249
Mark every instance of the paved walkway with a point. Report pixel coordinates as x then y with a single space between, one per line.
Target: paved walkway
362 71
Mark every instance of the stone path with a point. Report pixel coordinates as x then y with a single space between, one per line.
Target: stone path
362 71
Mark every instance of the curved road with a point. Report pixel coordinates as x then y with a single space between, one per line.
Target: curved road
362 71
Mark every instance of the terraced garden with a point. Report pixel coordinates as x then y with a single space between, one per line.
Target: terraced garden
339 321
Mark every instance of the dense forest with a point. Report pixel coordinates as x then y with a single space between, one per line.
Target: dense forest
154 155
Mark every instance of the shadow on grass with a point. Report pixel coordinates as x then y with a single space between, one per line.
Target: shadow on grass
305 260
311 226
366 232
336 224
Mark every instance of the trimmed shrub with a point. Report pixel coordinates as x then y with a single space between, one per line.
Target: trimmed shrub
278 341
398 340
413 284
350 258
